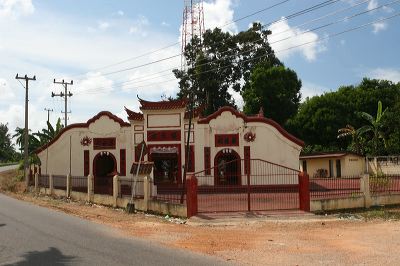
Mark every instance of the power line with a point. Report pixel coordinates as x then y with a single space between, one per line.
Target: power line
65 95
280 51
179 42
293 36
291 16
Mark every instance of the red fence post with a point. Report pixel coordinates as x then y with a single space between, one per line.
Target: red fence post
304 192
191 196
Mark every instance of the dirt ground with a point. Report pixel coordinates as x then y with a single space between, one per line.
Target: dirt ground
300 240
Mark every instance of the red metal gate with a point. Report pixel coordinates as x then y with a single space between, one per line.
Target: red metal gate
247 185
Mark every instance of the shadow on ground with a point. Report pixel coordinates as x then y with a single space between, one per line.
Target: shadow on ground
52 256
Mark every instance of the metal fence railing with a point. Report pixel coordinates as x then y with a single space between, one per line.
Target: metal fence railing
127 186
60 182
43 181
384 184
174 193
247 185
79 183
331 188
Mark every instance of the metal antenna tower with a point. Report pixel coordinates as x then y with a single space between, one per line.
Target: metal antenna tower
192 25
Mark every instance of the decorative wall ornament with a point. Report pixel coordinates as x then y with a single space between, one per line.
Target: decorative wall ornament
86 141
249 136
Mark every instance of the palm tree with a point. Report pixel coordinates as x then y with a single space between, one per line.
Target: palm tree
50 133
375 127
33 142
350 131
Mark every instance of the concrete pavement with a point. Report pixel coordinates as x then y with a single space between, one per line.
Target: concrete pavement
8 167
33 235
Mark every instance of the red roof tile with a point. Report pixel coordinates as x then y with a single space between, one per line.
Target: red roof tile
145 168
133 115
196 112
163 105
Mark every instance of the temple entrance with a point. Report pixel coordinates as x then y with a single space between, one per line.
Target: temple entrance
104 168
227 170
165 168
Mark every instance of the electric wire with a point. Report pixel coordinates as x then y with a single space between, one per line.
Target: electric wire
293 36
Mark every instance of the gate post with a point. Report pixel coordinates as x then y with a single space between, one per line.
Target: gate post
90 185
51 184
304 192
68 188
191 196
115 190
37 183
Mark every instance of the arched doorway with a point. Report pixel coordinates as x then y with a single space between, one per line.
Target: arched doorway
104 168
227 169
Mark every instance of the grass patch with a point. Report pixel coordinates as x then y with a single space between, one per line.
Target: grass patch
12 181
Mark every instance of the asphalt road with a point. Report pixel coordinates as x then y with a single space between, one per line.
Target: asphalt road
33 235
8 167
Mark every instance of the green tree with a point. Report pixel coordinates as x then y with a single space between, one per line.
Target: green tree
375 128
319 117
33 142
276 89
356 138
50 133
222 61
7 152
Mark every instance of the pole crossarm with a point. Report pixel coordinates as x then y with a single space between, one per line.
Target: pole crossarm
64 94
26 135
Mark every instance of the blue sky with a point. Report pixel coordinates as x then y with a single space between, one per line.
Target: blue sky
76 39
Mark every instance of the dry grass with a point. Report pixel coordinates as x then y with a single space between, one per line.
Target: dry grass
12 181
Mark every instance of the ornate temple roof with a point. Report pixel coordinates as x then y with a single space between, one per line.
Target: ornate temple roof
163 105
133 115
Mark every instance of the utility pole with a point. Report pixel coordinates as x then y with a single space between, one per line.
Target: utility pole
48 114
26 136
65 95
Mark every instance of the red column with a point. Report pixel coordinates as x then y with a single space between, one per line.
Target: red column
304 192
191 196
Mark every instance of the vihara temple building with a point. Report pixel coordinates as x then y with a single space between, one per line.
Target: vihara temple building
106 145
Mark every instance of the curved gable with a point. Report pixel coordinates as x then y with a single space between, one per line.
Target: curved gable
247 119
90 122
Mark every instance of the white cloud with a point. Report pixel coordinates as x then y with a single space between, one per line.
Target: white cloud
165 24
379 26
219 13
102 25
372 4
310 89
385 73
284 37
120 13
6 92
139 26
16 8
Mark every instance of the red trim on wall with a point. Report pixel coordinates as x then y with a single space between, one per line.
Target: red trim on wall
104 143
163 135
191 166
122 162
226 140
121 122
247 162
86 163
207 160
248 119
191 136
